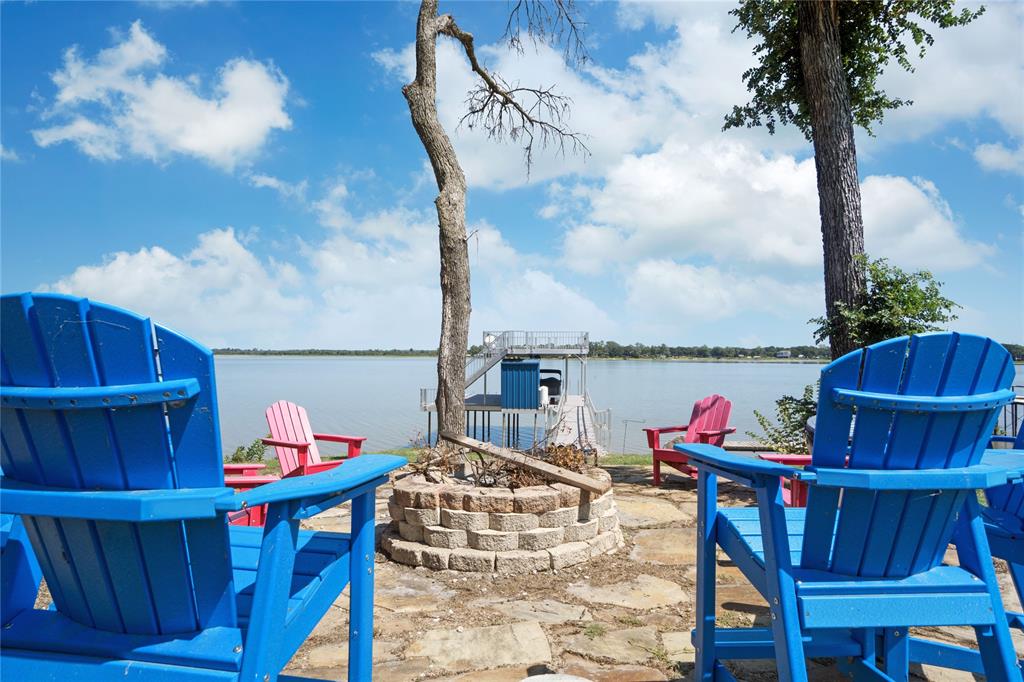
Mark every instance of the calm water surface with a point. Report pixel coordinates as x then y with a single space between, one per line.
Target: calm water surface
379 397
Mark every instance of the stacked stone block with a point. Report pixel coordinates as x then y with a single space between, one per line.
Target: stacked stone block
465 528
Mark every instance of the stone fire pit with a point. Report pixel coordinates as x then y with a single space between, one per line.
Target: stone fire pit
462 527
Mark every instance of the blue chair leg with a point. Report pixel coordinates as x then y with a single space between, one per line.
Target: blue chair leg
994 641
1017 573
789 648
704 633
360 614
896 652
260 661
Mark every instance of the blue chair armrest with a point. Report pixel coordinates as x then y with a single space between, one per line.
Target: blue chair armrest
98 397
727 462
962 478
349 477
915 403
137 506
1011 460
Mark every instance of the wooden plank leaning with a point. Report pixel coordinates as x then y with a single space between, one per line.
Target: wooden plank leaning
539 466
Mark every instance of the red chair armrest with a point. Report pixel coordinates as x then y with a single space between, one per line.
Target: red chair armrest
355 443
285 443
781 458
316 468
706 436
654 434
242 483
335 438
243 469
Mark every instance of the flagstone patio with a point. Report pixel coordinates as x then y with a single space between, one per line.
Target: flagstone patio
622 617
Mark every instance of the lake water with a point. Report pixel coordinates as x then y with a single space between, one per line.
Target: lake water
378 397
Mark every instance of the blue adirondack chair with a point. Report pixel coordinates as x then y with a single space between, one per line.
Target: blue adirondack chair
846 576
112 460
1004 526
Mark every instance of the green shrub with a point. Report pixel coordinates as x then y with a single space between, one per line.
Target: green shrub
253 452
896 303
788 435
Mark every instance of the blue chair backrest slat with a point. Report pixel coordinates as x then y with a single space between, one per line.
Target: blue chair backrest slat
146 578
898 533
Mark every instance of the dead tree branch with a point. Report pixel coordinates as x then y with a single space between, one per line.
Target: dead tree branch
505 110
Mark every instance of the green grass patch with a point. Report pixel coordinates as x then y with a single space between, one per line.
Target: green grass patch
626 459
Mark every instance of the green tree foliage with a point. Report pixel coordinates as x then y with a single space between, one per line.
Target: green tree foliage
872 34
253 452
788 435
897 303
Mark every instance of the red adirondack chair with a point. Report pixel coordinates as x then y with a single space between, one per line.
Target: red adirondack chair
707 425
295 443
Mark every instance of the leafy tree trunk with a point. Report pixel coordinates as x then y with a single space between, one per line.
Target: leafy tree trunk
421 95
835 158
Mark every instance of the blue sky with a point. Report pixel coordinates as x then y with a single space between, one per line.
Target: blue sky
247 173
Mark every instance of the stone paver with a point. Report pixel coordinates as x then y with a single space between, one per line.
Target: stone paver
666 546
598 672
407 592
544 611
632 645
642 593
332 655
678 646
520 643
645 511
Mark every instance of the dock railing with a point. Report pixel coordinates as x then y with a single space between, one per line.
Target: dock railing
602 421
530 341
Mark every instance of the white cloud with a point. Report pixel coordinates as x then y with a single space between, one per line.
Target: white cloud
220 292
720 198
683 291
288 190
971 71
725 201
998 157
909 222
8 154
372 281
118 103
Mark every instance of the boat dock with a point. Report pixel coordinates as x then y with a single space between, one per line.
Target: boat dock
532 404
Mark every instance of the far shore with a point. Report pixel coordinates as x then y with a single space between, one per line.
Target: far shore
386 354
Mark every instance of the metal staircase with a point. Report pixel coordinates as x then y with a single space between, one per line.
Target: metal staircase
495 348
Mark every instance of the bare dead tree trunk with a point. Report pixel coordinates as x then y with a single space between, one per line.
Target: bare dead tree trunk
835 158
421 95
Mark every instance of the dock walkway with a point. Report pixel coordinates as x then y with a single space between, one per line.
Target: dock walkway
575 425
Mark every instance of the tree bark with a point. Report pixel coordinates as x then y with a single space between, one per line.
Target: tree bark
835 159
421 95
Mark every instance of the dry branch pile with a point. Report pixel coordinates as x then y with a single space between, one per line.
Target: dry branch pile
445 462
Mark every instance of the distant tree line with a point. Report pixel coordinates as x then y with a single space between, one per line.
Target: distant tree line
611 349
602 349
404 352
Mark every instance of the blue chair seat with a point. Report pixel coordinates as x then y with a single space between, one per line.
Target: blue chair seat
317 566
315 562
875 600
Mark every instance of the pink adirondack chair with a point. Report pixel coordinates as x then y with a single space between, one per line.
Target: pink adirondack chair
295 443
707 425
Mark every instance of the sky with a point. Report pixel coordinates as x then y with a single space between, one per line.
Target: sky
248 174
